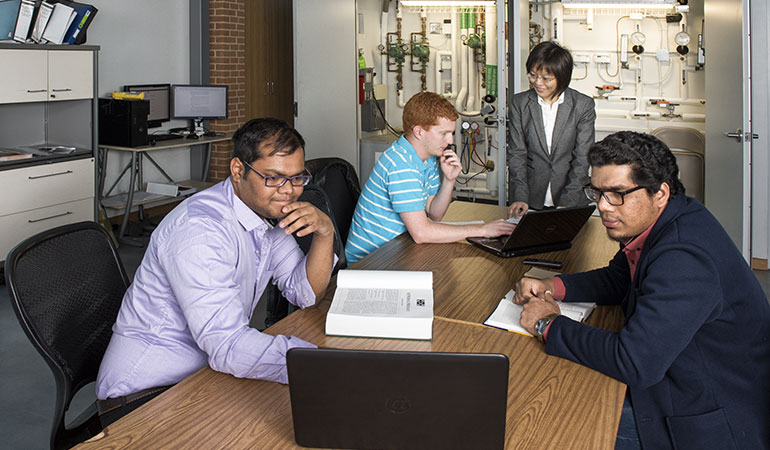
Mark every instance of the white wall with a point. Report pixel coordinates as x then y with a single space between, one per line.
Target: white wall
143 41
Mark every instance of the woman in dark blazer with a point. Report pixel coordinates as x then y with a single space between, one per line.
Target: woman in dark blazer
550 129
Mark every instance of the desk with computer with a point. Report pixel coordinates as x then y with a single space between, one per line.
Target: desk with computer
124 125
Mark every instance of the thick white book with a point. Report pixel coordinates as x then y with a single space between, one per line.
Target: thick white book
507 315
382 304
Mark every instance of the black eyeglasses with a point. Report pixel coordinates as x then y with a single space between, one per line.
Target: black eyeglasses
613 198
276 181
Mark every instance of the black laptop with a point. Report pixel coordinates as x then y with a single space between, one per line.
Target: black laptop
539 232
397 400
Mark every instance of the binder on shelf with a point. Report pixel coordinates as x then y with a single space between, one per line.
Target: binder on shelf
9 10
60 21
76 34
41 21
24 20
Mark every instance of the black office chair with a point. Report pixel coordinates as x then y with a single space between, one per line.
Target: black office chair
338 179
66 286
277 306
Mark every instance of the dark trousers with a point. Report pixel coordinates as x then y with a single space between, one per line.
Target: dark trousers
628 437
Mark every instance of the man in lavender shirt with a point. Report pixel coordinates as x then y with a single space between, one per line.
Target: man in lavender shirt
205 269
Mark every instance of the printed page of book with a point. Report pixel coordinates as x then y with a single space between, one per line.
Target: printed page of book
383 293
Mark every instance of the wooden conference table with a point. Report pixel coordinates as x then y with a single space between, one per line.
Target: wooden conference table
552 403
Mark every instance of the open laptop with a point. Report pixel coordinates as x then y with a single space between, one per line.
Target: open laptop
397 400
538 232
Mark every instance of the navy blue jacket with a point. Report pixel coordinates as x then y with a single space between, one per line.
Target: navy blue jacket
694 347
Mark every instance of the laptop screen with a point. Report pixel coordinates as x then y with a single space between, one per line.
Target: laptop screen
408 400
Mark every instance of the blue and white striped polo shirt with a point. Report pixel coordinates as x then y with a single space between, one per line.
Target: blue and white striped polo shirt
400 182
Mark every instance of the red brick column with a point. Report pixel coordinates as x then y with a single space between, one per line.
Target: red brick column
227 65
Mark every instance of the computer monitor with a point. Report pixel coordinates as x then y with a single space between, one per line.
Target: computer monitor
199 102
159 96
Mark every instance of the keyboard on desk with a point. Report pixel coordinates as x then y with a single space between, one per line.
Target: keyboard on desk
163 137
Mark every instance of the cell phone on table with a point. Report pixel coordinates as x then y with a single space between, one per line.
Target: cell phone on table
551 264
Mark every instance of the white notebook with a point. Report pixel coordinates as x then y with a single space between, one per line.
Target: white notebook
507 315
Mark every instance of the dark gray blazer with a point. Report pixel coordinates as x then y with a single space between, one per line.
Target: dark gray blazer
530 167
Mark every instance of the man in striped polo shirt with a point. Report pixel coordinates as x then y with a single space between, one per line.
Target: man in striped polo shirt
404 191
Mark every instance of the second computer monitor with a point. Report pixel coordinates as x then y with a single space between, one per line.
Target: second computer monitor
159 96
199 101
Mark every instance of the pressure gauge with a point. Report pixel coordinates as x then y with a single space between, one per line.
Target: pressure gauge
474 125
682 38
637 38
466 125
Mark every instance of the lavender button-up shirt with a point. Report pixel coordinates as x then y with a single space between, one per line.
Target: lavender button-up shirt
193 296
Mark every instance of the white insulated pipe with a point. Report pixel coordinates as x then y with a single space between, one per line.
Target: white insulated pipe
473 84
454 52
465 176
490 27
462 54
475 190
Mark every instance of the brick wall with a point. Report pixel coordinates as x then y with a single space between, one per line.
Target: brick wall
227 56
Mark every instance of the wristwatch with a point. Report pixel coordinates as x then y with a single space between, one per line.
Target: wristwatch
541 326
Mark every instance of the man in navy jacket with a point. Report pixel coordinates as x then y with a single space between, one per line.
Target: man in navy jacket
694 347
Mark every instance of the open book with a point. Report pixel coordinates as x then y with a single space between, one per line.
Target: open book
382 304
507 315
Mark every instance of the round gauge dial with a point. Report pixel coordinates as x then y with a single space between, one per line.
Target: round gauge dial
637 38
474 125
682 38
466 125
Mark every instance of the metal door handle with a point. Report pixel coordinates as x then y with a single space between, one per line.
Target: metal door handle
738 134
49 217
50 175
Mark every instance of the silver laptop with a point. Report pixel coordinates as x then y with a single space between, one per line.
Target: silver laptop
397 400
539 232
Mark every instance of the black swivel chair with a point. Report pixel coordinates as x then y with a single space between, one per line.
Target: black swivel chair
338 179
66 285
277 306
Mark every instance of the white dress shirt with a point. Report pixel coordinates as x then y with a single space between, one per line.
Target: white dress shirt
549 120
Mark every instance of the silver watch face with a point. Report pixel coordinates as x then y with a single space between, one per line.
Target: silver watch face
540 326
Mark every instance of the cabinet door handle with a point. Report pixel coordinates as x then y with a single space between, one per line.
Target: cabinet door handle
35 91
49 217
50 175
61 90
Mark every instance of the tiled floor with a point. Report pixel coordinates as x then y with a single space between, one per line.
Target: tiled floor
28 389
